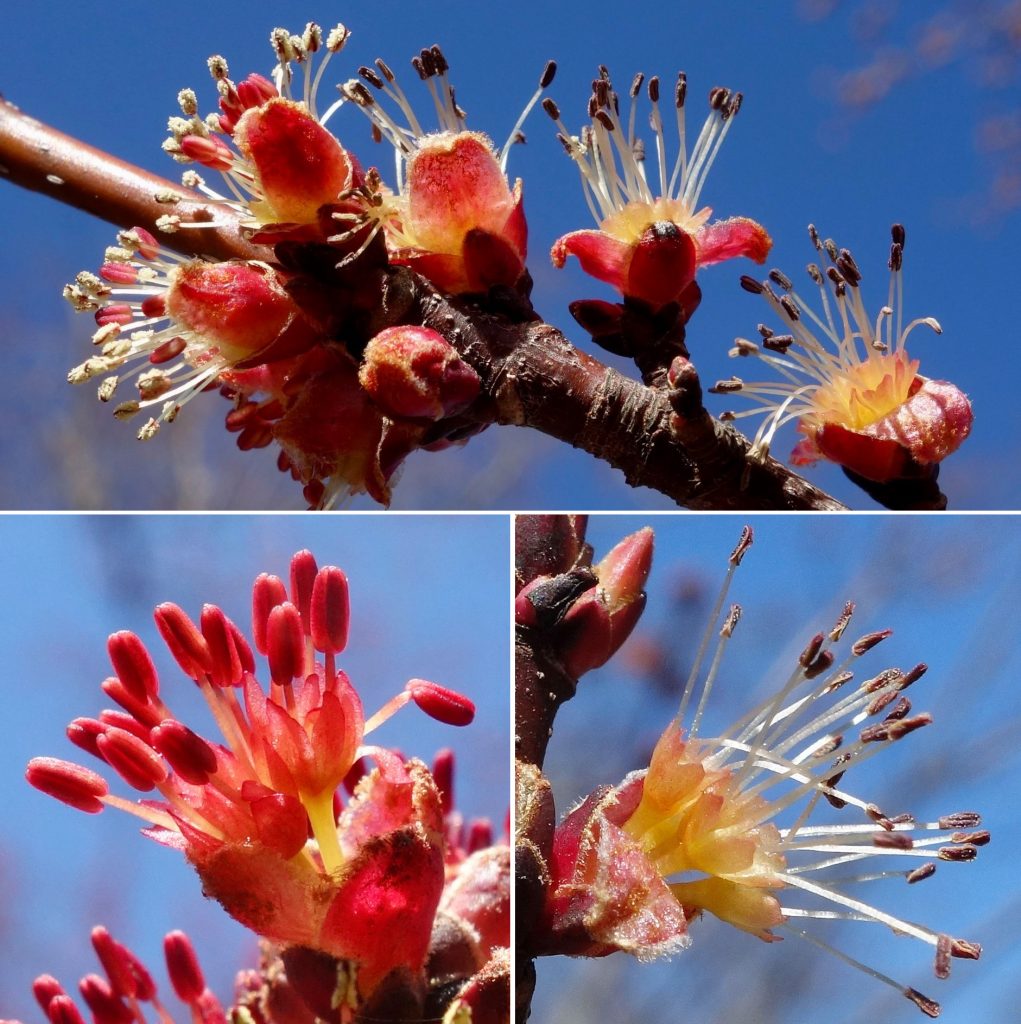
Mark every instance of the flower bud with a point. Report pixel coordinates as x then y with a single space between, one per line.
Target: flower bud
416 373
299 165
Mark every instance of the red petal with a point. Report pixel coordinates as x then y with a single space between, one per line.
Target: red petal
725 239
601 255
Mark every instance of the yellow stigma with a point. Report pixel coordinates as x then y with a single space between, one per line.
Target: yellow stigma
867 391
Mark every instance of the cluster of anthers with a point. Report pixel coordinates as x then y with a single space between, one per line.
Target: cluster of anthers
845 376
728 824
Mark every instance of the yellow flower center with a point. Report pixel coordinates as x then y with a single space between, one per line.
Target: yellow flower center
629 223
867 391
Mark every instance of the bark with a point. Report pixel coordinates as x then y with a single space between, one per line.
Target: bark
533 376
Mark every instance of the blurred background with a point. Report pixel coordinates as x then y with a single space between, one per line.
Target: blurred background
429 599
948 587
856 115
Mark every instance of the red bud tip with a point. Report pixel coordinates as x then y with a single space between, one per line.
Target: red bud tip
184 640
480 835
330 611
45 988
219 638
303 576
133 666
443 776
623 572
267 592
183 967
440 703
185 751
134 761
285 642
70 783
62 1010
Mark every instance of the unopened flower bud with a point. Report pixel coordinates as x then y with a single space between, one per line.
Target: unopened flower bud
416 373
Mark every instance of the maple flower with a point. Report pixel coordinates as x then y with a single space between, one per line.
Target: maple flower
452 216
651 239
128 984
259 816
180 323
730 825
847 377
284 164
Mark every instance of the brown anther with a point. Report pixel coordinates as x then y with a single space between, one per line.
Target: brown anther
549 72
778 343
868 641
838 680
601 91
830 746
823 663
766 332
749 284
718 97
942 966
965 950
604 73
439 61
636 86
731 621
834 275
885 678
419 65
920 874
975 838
912 676
813 647
831 249
744 347
848 269
814 272
898 730
893 841
743 544
357 93
371 77
902 710
928 1006
961 819
384 69
551 108
790 307
873 811
958 854
882 701
841 624
814 236
722 387
681 90
780 278
896 260
897 233
735 105
832 782
604 119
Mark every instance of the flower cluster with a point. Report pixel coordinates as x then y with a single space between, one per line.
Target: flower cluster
729 825
847 378
260 816
652 238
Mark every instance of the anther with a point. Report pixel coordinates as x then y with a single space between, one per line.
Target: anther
731 621
960 819
681 91
942 966
653 87
551 108
744 543
548 74
920 874
780 278
790 308
384 69
749 284
722 387
868 641
897 233
893 841
813 647
958 854
371 77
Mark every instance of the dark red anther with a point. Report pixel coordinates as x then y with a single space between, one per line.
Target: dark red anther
168 350
45 988
267 592
438 702
868 641
184 640
183 967
285 642
106 1006
83 732
136 762
122 720
219 638
118 273
145 713
133 665
443 776
70 783
480 835
156 306
811 650
242 647
823 663
329 613
185 751
303 576
61 1010
148 247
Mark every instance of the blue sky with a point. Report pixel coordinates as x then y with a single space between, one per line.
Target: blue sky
795 156
948 587
429 599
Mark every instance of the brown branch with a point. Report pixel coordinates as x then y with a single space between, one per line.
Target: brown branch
532 373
